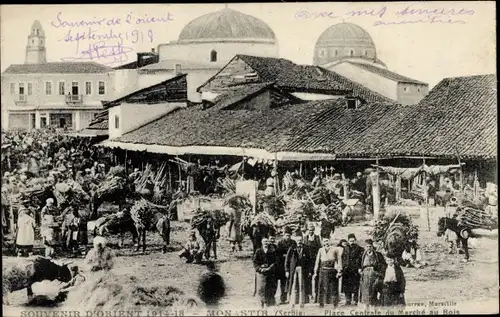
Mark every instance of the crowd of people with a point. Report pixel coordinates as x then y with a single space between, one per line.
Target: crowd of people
36 163
310 270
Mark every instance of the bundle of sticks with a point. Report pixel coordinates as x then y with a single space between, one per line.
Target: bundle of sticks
263 218
292 221
228 184
110 185
219 218
143 212
151 180
475 218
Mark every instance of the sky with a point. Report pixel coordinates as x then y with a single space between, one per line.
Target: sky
427 41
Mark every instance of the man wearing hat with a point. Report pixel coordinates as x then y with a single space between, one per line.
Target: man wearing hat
351 276
281 251
312 242
372 273
192 251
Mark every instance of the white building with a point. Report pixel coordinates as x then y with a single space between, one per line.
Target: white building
349 50
207 44
39 94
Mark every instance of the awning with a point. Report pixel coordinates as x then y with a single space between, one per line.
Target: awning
91 133
219 150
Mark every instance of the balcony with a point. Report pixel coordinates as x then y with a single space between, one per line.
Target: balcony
74 99
20 99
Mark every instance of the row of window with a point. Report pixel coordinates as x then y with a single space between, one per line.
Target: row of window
323 53
74 90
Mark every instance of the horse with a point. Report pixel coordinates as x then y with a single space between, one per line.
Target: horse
119 223
463 232
149 216
210 233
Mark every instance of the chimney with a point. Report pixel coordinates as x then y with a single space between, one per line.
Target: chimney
153 50
178 69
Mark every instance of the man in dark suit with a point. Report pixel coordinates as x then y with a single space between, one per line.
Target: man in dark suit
297 262
351 274
281 252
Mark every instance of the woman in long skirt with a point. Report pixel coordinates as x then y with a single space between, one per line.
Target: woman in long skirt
372 272
25 233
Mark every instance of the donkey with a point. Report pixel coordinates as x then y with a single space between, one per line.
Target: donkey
463 232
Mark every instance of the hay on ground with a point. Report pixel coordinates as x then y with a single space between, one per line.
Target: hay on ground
107 291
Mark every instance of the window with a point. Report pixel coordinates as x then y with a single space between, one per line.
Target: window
88 88
74 88
117 122
48 88
21 88
336 53
61 88
102 89
30 89
351 52
32 41
12 88
366 53
406 89
418 89
351 103
43 122
213 56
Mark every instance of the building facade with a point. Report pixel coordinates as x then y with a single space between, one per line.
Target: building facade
40 94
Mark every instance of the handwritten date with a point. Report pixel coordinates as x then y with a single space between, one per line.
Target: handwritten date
112 54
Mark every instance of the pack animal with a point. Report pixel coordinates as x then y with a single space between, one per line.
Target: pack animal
463 232
26 272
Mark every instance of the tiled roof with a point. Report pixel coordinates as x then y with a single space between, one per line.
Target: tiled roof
100 121
387 73
58 68
307 78
169 64
172 89
457 117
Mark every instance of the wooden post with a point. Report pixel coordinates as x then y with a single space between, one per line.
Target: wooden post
300 170
346 188
426 198
276 178
376 193
476 185
398 187
126 158
180 173
170 188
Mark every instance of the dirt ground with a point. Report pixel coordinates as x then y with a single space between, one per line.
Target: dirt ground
466 287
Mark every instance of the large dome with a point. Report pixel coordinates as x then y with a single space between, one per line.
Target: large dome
227 25
345 41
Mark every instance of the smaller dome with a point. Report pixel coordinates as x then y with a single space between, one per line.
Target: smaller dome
345 34
344 41
226 24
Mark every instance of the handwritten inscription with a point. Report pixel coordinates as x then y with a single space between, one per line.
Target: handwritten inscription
408 15
107 40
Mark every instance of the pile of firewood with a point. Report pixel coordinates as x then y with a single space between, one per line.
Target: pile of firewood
200 217
475 218
228 184
150 181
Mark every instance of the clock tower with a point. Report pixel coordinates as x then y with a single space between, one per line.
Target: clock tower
35 50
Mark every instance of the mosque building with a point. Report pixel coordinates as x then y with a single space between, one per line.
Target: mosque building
206 45
350 51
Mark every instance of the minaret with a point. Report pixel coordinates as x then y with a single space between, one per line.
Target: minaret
35 50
